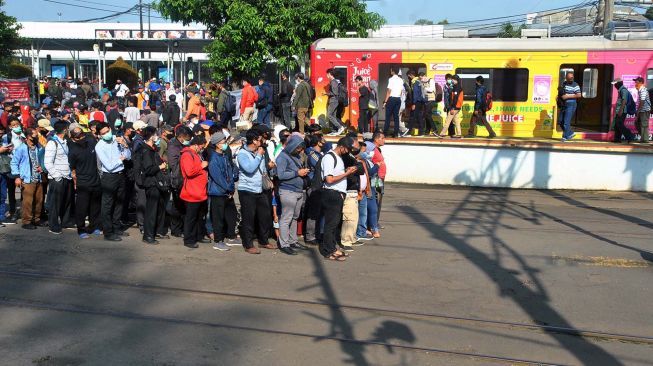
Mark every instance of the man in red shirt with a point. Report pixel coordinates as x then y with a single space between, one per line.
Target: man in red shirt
247 101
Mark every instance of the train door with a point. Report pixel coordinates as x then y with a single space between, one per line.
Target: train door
384 76
593 112
342 74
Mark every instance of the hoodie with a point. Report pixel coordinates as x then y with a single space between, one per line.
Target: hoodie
288 166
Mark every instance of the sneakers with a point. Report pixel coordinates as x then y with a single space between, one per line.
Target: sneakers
84 236
97 232
572 136
29 227
404 133
358 244
55 232
235 242
221 246
341 130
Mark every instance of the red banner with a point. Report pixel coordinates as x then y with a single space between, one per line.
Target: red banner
14 89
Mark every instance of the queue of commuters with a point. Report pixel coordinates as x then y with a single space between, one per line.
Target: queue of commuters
117 164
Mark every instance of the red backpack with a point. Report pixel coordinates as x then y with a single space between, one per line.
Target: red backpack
488 101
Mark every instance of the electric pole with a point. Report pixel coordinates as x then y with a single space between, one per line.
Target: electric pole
140 10
604 16
149 24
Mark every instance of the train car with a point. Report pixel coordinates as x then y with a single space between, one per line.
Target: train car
522 74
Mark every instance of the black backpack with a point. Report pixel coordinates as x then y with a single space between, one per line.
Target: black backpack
262 100
343 98
317 182
230 104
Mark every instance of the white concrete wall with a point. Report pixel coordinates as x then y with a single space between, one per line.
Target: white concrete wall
519 168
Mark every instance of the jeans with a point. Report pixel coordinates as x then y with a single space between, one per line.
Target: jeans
566 114
372 213
332 203
264 114
361 232
292 206
3 194
61 196
255 209
288 121
620 129
392 110
332 113
87 203
113 194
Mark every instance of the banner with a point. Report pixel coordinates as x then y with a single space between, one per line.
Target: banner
14 89
542 89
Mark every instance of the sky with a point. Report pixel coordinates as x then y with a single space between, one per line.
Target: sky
395 11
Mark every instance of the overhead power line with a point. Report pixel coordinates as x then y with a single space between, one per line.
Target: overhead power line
130 11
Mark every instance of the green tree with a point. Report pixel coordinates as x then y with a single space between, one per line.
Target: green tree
509 31
9 39
443 22
423 22
649 13
249 33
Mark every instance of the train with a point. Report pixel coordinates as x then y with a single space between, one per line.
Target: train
523 76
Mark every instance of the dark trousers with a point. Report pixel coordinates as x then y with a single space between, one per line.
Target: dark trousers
11 194
163 228
255 211
176 212
113 195
141 201
60 199
193 222
416 118
128 197
223 218
154 216
87 203
429 123
621 129
642 125
392 111
481 118
225 118
364 120
332 202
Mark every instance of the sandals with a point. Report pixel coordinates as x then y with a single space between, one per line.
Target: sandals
337 258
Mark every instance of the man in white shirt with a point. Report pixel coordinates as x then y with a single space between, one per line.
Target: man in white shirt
132 114
392 101
169 90
121 89
334 177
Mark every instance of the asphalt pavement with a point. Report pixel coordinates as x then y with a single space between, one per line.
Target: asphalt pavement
460 276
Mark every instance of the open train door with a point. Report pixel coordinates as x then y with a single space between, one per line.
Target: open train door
342 74
593 112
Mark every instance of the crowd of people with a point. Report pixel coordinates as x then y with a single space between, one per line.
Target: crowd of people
103 162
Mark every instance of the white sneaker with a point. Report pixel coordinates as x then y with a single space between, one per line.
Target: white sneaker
221 246
341 130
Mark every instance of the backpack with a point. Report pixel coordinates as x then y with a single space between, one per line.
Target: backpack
318 181
488 101
439 93
424 85
230 104
262 100
631 107
343 98
311 93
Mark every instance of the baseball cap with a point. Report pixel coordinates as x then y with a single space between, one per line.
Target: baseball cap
139 125
217 137
617 80
262 128
347 142
73 126
44 123
639 79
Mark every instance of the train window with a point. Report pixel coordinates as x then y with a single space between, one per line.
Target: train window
506 85
649 78
590 83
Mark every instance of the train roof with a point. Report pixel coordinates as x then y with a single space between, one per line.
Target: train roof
597 43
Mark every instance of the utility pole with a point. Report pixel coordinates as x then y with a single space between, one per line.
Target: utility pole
149 24
604 16
140 10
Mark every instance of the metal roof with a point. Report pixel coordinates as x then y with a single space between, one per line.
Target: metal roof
477 44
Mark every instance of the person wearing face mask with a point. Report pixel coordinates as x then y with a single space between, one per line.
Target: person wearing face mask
177 208
44 129
27 165
221 191
291 174
313 206
60 185
152 170
455 108
194 190
83 163
446 100
365 192
350 205
111 155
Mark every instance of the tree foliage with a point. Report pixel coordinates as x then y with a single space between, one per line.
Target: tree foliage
424 22
443 22
510 31
120 70
18 71
249 33
10 40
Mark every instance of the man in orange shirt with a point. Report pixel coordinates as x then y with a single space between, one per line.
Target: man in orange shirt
247 101
194 105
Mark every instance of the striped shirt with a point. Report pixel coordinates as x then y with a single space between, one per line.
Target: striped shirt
571 89
644 104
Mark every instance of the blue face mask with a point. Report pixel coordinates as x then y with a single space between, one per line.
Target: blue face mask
157 142
17 130
107 136
225 147
365 155
186 143
118 123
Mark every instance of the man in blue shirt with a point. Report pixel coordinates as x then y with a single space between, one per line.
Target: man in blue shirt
111 153
570 96
480 110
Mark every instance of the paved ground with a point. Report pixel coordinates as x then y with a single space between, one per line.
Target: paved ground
567 259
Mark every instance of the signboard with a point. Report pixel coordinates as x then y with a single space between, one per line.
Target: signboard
14 89
59 71
155 34
441 67
542 89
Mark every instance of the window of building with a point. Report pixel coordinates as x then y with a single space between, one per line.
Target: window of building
590 83
506 85
649 78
